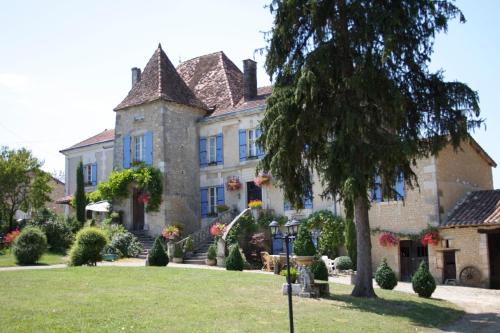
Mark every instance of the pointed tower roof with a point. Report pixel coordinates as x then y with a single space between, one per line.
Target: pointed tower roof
160 80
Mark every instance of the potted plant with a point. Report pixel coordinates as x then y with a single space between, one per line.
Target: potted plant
178 254
211 256
303 247
188 246
222 208
233 184
255 206
430 238
262 180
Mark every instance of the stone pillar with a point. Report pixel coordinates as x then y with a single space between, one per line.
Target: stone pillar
221 252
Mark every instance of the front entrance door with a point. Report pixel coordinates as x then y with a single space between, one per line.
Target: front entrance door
411 253
137 211
253 192
494 254
450 267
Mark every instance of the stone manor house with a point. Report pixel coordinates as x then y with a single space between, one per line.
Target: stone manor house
198 124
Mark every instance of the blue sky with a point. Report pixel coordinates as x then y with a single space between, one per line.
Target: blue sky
65 65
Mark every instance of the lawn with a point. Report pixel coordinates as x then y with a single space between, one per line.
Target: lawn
152 299
7 259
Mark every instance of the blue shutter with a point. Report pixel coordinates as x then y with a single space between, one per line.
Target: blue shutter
148 159
126 151
308 203
400 187
93 173
204 202
220 195
203 152
377 189
287 205
260 152
220 150
243 145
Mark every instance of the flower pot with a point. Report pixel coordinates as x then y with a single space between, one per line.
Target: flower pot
255 213
210 262
178 260
304 261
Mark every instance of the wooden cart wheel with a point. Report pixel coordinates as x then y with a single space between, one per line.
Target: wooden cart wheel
470 276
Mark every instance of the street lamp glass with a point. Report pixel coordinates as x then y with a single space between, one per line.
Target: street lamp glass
274 227
293 227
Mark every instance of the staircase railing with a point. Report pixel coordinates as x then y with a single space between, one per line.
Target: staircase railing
233 222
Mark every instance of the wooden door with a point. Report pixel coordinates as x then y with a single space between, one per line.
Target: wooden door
450 267
411 254
494 256
137 212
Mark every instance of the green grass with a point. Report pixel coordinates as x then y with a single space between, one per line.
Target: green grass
7 259
156 299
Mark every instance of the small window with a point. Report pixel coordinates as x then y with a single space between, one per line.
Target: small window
251 143
139 148
87 174
212 201
212 150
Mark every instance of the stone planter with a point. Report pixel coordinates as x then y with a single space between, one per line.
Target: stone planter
255 213
170 249
177 260
304 261
210 262
221 252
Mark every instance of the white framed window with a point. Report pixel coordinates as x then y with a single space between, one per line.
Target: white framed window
87 174
212 200
212 150
139 148
251 143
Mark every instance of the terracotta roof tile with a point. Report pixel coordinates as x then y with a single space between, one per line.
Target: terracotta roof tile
257 101
104 136
160 80
477 208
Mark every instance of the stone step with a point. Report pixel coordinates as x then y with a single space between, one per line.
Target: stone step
194 261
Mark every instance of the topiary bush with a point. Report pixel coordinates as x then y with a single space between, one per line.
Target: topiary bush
157 255
126 244
234 261
29 246
385 276
318 268
423 283
303 244
59 235
88 247
343 263
212 252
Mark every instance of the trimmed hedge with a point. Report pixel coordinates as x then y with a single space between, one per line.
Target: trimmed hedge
303 244
29 246
423 283
234 261
343 263
318 268
385 276
88 247
59 235
157 256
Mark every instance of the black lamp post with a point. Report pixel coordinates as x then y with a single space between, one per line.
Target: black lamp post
292 228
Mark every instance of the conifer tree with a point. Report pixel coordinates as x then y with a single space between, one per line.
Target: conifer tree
80 200
354 100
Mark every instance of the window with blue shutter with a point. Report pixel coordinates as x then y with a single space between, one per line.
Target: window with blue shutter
308 202
204 202
148 159
260 152
377 189
397 192
400 187
203 152
220 195
93 173
220 150
243 144
126 151
287 205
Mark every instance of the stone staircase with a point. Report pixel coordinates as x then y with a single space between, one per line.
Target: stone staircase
200 254
146 241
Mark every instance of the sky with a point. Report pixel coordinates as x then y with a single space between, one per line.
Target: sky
64 65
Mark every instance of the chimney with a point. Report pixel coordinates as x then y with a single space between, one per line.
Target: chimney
249 79
136 75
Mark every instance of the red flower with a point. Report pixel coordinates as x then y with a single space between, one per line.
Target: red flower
9 238
144 198
388 239
217 229
430 238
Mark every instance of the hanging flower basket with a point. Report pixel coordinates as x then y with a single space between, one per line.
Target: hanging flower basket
144 198
217 229
233 184
388 239
262 180
171 232
430 238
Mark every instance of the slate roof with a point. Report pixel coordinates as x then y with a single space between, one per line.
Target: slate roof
160 80
104 136
477 208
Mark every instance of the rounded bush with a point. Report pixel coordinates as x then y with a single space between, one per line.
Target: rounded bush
343 263
59 235
29 246
157 255
294 274
234 261
88 247
126 244
212 252
318 268
385 276
423 283
303 244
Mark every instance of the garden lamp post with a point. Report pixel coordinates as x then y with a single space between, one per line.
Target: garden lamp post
292 228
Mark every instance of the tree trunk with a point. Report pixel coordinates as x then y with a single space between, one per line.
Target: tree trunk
364 282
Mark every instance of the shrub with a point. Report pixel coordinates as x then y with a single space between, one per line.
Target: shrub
157 256
343 263
350 241
126 244
332 231
114 229
189 244
294 274
29 246
234 261
385 276
88 247
423 283
212 252
318 268
303 244
178 251
73 224
59 235
10 237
